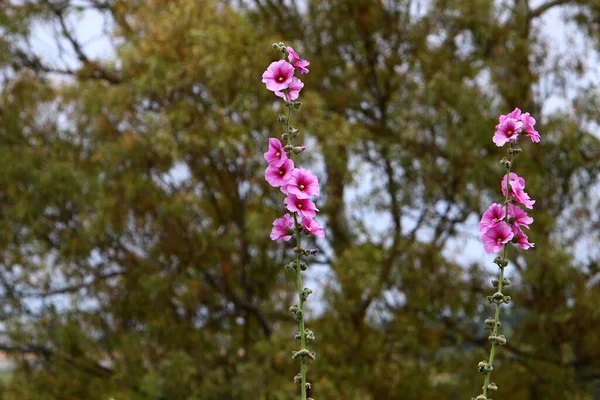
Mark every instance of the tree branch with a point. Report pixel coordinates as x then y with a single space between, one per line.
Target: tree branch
547 6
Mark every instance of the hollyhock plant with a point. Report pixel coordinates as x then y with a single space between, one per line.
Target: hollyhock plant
312 227
492 217
282 227
303 184
304 207
296 61
496 237
299 185
275 156
278 176
292 91
278 75
502 224
517 216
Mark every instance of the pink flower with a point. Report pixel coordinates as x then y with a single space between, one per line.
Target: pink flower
302 184
275 156
528 123
492 217
517 190
507 131
517 216
514 114
312 227
293 90
278 75
304 207
520 238
277 176
282 227
296 61
496 237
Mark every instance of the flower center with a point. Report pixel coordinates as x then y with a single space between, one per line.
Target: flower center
280 79
499 240
299 205
281 172
301 187
278 154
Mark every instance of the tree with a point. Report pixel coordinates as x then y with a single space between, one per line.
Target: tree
136 263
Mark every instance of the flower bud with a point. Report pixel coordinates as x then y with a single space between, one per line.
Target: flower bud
514 150
294 308
305 293
505 162
299 149
492 386
285 137
281 118
297 105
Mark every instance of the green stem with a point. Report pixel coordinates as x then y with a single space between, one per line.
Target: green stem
301 322
299 284
500 286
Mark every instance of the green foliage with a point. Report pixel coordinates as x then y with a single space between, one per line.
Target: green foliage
134 214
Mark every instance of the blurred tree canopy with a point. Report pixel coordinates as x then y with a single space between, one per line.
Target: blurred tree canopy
135 259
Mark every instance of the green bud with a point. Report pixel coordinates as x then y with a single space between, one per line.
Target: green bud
294 308
298 378
297 105
285 137
492 386
281 118
305 293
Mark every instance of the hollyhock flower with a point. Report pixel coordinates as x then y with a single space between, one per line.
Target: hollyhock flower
528 123
282 227
492 217
313 227
514 114
277 176
276 155
278 75
521 238
304 207
517 216
507 131
293 90
296 61
517 190
302 184
496 237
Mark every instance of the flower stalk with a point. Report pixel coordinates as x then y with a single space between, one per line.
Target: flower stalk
298 185
502 224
